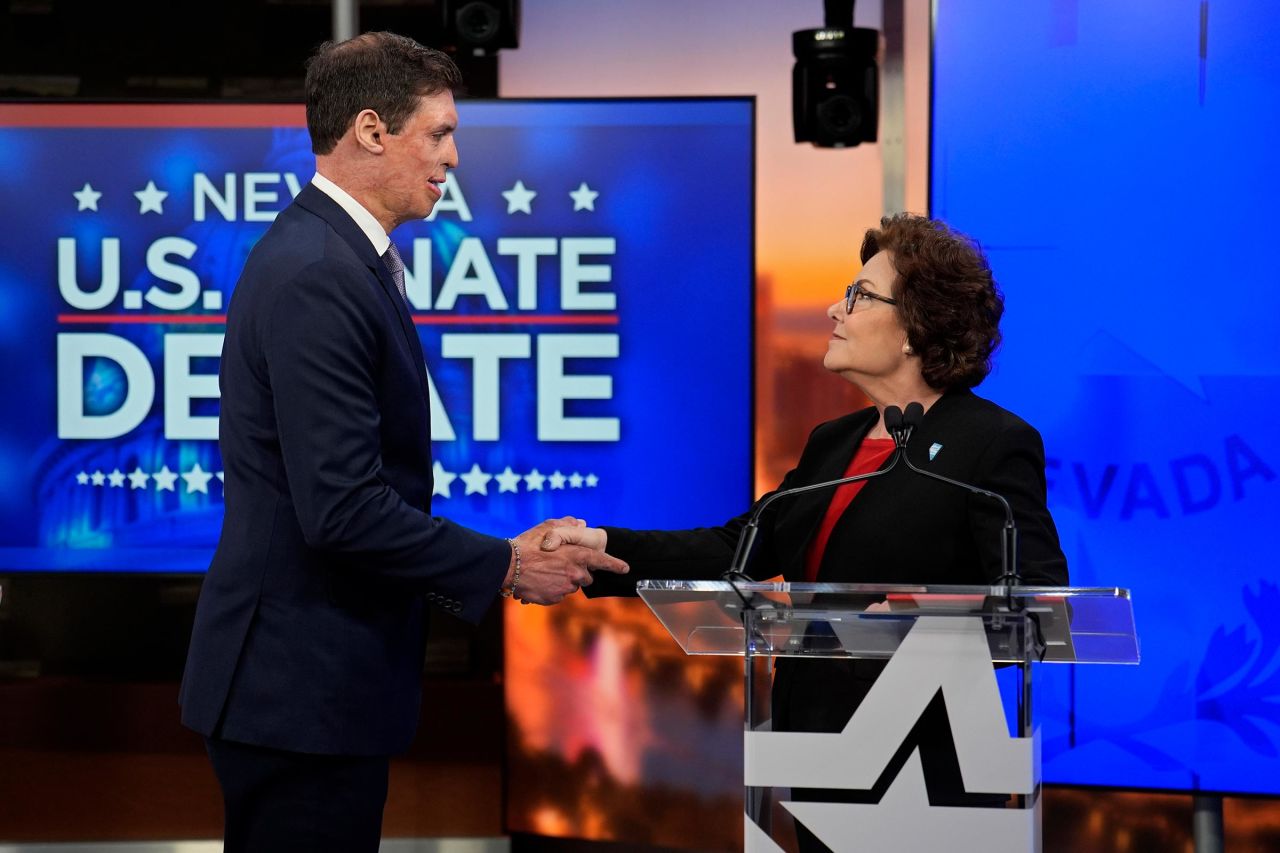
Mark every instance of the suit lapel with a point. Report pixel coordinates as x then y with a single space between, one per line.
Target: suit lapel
317 202
813 506
406 322
933 428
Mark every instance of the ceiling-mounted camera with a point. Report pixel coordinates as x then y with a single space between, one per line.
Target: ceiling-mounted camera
835 83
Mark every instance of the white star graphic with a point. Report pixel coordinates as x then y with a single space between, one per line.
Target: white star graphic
508 481
477 481
443 479
151 199
197 479
87 198
592 480
116 479
584 198
533 481
575 480
82 478
518 198
138 479
165 479
557 480
219 476
98 478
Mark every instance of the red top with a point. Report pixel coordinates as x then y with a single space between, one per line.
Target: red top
872 453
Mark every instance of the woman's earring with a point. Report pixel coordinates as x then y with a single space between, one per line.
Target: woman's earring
907 350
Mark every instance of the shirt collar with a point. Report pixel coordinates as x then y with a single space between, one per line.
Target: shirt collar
362 217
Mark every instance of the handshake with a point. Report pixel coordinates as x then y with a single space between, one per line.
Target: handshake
556 559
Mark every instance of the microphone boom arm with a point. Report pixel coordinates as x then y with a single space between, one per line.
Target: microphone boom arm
748 536
737 568
1009 576
1009 553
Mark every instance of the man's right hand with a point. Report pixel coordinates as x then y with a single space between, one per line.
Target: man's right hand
546 577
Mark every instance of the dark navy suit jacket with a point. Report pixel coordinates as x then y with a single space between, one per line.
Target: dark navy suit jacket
310 629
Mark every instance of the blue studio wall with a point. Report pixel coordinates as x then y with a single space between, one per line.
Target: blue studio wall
1117 161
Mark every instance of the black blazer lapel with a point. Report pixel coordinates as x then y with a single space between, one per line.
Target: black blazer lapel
318 202
808 510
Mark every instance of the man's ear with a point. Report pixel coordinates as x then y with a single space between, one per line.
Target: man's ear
369 130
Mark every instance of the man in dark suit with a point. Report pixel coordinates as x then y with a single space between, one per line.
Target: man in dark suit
305 664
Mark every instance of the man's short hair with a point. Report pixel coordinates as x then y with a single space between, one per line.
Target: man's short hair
379 71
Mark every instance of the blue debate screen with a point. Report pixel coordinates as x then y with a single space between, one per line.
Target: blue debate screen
1118 162
583 292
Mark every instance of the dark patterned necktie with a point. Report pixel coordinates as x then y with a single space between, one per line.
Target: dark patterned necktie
396 266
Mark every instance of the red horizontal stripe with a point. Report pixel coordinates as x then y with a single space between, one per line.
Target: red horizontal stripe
207 319
515 320
152 115
418 319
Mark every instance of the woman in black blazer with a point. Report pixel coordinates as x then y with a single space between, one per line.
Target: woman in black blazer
919 324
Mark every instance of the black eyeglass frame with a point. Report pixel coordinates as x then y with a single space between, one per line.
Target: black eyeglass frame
852 291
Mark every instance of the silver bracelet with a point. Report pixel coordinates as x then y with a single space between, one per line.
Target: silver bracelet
510 591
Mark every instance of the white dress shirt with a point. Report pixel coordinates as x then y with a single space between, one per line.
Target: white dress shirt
368 224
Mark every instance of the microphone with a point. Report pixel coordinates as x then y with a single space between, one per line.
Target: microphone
893 420
1009 576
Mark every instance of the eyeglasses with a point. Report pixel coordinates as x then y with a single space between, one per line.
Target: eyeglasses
855 293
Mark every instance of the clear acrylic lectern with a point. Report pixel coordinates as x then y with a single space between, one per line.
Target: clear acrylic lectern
930 639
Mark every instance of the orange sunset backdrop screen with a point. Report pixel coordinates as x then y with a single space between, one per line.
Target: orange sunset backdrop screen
614 733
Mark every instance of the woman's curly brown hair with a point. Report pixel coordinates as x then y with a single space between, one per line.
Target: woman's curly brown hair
947 298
